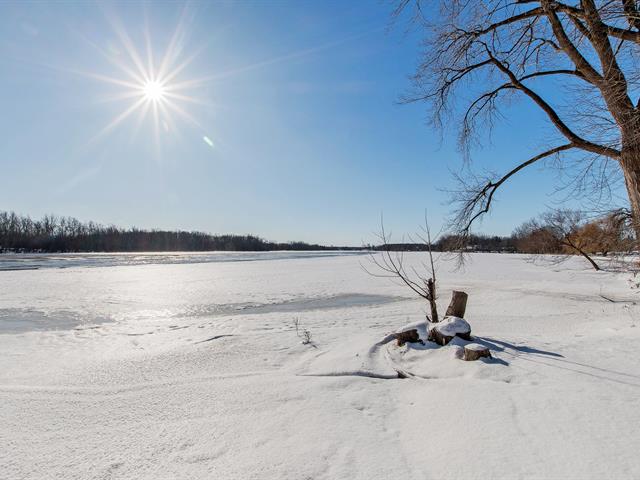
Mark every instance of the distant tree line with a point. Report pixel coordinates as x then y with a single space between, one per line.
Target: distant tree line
553 232
478 243
20 233
448 243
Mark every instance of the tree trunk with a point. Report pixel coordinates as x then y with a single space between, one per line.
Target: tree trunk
588 257
458 305
568 243
431 288
630 163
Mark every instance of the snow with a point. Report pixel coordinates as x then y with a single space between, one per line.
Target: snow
451 326
421 326
173 370
476 347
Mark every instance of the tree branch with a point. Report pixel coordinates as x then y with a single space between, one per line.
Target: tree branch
614 87
613 31
535 12
631 12
567 45
483 197
575 139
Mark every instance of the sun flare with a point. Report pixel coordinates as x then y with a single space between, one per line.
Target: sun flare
154 91
154 85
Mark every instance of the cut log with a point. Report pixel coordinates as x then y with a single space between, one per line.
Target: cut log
410 336
444 331
474 351
458 305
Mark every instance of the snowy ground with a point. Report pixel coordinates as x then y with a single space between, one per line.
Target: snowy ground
181 370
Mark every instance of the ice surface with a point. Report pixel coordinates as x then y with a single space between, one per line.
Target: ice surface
128 288
171 388
35 261
14 320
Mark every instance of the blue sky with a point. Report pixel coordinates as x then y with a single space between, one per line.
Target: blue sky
300 104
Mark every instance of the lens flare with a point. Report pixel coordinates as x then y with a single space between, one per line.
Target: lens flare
154 91
155 86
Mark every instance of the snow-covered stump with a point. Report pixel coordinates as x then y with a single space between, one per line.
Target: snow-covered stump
444 331
410 336
474 351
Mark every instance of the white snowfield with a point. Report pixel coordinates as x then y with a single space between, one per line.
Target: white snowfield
195 371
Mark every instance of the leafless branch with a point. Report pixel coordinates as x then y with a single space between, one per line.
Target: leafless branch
475 200
480 55
389 263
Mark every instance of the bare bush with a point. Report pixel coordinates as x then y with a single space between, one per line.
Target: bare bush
303 334
389 263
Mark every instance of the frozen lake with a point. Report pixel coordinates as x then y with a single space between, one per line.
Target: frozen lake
35 261
97 288
171 367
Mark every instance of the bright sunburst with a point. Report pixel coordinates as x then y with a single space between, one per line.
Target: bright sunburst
153 85
156 87
154 91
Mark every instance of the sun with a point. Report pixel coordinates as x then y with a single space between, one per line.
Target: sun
154 86
154 91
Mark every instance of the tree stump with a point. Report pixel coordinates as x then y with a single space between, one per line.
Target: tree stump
474 351
444 331
458 305
437 337
410 336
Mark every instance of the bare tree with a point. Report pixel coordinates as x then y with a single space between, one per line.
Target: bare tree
390 264
480 54
564 227
533 237
606 234
559 232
